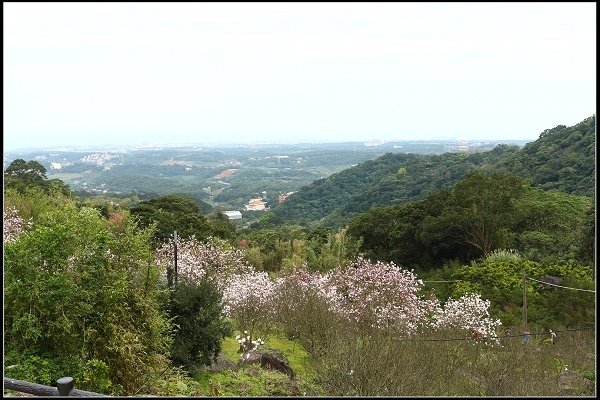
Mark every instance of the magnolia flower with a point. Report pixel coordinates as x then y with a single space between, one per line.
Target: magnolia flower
13 225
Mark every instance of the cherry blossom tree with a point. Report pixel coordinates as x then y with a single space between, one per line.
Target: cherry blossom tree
373 293
246 293
469 312
379 294
248 300
196 258
13 225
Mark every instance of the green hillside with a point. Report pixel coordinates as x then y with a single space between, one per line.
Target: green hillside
561 159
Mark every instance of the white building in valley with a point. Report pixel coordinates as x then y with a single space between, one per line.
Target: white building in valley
232 215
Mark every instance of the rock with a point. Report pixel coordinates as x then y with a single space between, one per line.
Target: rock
251 357
268 359
277 362
571 383
221 363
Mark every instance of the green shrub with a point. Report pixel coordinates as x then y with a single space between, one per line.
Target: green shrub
78 287
196 310
499 278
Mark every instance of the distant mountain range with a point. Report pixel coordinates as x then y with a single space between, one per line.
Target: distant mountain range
196 170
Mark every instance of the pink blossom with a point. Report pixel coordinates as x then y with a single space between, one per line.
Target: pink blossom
470 312
195 259
13 225
379 294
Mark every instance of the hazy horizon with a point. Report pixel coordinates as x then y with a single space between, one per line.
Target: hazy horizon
129 74
144 145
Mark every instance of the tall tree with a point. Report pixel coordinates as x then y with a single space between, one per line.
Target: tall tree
173 213
480 210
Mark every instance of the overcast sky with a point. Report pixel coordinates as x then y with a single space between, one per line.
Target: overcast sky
142 73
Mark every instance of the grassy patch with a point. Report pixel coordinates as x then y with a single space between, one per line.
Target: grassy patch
254 381
248 381
297 356
229 348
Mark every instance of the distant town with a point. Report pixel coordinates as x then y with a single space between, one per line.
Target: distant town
240 180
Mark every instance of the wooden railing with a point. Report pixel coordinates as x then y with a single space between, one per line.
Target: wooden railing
64 387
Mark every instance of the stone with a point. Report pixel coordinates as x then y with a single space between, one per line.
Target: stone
220 364
571 383
268 359
277 362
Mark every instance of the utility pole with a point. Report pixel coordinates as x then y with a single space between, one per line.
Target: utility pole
524 302
175 254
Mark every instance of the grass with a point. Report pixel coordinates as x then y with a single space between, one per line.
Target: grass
248 381
383 366
254 381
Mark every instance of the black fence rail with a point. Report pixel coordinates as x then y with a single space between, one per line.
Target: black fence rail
64 387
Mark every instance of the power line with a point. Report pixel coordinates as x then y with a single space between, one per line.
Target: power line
531 279
496 337
564 287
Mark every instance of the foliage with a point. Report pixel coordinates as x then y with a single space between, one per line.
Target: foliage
552 226
561 159
21 175
172 213
221 227
480 209
246 293
77 288
480 214
285 248
33 202
196 311
499 279
250 381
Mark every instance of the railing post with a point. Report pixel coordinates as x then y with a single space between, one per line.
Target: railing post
65 385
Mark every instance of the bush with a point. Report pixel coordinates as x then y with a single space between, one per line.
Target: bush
499 279
77 288
196 309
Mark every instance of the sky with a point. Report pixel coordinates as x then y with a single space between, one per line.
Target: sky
80 74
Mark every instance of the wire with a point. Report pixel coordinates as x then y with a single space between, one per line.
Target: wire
497 337
545 283
564 287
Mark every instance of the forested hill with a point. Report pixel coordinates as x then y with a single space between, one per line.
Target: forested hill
562 158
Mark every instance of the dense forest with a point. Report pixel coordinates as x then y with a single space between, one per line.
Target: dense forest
403 275
561 159
132 173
